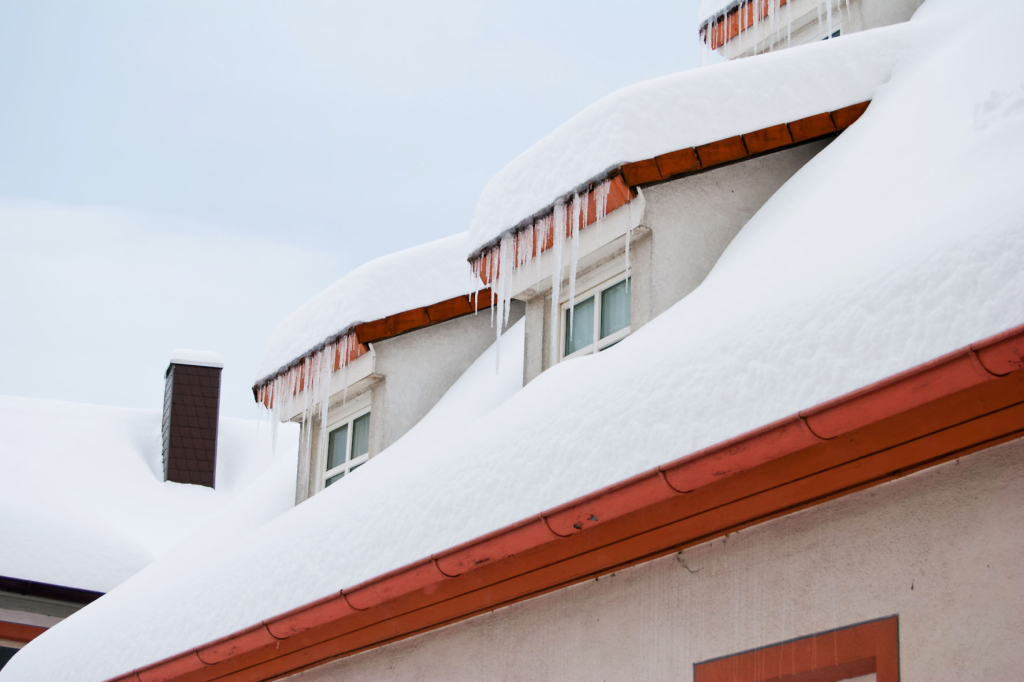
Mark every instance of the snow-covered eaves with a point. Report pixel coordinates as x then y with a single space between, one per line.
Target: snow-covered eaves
686 110
723 20
408 280
954 405
670 166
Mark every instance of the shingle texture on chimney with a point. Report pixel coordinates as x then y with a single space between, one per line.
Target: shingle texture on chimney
191 405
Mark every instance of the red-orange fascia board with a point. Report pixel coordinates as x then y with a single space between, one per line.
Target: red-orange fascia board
725 26
393 325
672 166
949 407
19 632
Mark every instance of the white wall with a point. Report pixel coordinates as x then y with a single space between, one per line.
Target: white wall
943 549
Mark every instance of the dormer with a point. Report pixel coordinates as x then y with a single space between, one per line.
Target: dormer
363 361
743 28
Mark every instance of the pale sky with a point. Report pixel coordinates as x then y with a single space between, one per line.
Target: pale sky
186 173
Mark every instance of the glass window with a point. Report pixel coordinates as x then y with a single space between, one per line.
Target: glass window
337 447
348 448
602 318
582 324
614 308
361 436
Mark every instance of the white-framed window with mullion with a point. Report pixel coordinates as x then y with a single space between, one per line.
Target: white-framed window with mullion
348 446
600 318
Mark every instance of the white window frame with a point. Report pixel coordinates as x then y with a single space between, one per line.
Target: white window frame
349 464
598 344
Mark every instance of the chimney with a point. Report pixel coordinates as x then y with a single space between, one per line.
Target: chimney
191 404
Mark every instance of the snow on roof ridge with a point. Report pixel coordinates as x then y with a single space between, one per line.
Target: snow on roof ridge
196 358
708 104
411 278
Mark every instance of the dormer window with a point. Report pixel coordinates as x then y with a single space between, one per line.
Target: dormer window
601 318
348 446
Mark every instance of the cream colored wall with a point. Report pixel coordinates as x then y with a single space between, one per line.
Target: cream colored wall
850 16
687 224
943 549
411 373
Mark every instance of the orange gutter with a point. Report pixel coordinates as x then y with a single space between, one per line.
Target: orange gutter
733 22
960 403
677 164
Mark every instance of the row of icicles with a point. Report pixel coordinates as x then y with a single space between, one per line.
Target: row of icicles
756 16
504 265
305 387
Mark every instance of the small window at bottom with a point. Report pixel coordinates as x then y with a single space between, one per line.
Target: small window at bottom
348 448
581 324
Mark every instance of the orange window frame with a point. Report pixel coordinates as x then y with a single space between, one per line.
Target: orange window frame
852 651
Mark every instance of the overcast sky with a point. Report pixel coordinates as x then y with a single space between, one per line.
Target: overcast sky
185 173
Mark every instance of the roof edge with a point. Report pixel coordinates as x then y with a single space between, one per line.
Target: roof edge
627 176
392 325
959 403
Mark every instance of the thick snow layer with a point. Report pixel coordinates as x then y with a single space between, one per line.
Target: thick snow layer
416 277
198 358
709 8
901 241
688 109
83 502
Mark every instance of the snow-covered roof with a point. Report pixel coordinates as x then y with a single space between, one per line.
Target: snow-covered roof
855 270
83 502
711 8
416 277
688 109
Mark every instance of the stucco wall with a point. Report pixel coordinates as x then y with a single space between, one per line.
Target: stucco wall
687 225
943 549
419 367
412 372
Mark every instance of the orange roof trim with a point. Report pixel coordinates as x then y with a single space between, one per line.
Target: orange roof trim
726 26
949 407
378 330
19 632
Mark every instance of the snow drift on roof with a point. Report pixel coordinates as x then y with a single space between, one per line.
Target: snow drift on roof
416 277
83 502
855 270
685 110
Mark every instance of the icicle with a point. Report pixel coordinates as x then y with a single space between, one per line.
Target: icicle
828 14
305 387
755 8
574 253
558 225
789 24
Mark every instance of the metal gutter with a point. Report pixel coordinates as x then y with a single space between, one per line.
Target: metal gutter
954 405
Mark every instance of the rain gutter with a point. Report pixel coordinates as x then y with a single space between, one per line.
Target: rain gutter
954 405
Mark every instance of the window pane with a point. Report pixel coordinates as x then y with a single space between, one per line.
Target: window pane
615 308
337 444
361 436
582 326
332 479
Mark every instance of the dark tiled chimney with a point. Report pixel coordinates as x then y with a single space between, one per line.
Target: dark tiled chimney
191 404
